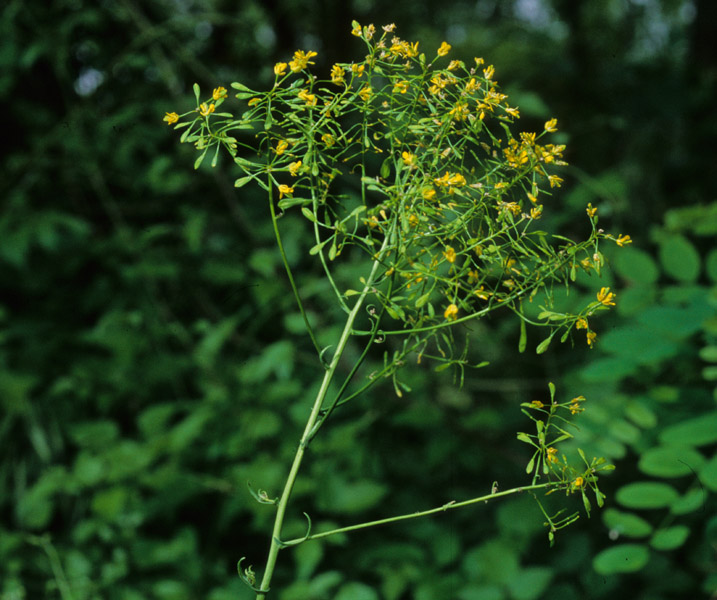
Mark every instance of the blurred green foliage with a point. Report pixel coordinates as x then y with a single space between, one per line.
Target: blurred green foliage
151 360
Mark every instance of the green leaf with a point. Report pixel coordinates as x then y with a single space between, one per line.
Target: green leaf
422 300
679 258
670 538
626 524
636 265
309 214
543 346
692 500
317 247
199 160
697 431
356 591
670 461
708 474
530 583
343 496
385 170
242 181
646 494
625 558
522 343
289 202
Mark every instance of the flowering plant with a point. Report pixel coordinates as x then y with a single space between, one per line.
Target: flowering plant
445 215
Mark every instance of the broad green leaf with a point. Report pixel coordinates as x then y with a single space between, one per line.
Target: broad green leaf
708 474
636 265
670 461
530 583
692 500
697 431
624 558
670 537
646 494
709 353
626 524
356 591
494 561
679 258
343 496
640 413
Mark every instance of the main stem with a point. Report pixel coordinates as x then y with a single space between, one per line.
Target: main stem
316 408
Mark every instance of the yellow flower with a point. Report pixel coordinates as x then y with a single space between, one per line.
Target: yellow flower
575 405
537 404
400 87
254 101
591 210
555 181
408 158
205 110
428 193
581 323
310 99
622 240
606 297
337 74
591 335
488 72
294 168
450 254
578 483
413 219
450 179
285 190
357 70
482 293
365 93
551 126
551 455
219 92
281 147
513 112
172 117
389 28
356 30
444 49
280 69
536 212
328 139
301 60
454 64
451 312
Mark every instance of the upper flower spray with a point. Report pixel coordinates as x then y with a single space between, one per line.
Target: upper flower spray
450 188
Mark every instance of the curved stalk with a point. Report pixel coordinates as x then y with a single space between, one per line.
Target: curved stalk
448 506
276 543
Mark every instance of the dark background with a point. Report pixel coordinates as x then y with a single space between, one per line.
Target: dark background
151 359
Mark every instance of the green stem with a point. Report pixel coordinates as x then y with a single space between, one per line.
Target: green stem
315 410
288 271
425 513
